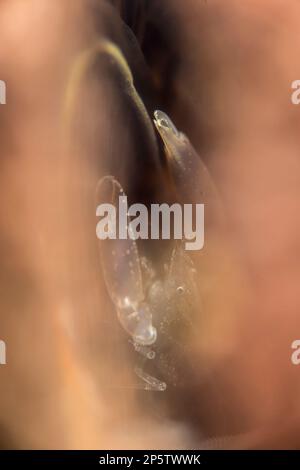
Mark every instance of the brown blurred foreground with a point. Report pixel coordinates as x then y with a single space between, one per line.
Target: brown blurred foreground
222 70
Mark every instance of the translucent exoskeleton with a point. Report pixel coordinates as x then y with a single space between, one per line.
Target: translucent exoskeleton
192 179
153 310
157 307
123 276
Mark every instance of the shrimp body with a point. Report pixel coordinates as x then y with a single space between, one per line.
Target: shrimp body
154 311
192 179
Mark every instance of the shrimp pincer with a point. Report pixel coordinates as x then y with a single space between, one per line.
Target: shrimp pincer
122 274
154 310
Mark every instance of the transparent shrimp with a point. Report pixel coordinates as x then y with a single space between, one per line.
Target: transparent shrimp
168 303
192 179
122 274
143 300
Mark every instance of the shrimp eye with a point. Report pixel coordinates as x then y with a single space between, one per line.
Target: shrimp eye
164 123
163 120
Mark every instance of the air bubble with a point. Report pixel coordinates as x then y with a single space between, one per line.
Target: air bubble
180 290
